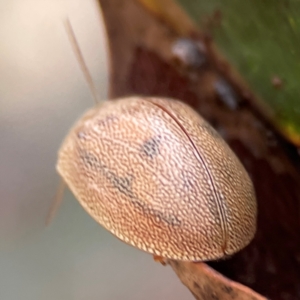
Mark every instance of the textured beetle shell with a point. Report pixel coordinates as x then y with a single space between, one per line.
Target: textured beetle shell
159 177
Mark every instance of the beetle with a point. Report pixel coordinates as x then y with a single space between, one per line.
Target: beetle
156 175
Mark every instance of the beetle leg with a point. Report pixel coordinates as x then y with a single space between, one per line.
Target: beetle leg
160 259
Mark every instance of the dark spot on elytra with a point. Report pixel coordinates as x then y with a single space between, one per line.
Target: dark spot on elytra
169 219
151 147
89 160
159 216
124 186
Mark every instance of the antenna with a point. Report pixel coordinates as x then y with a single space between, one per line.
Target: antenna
81 61
56 202
88 78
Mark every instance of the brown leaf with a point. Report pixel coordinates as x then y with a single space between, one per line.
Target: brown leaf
205 283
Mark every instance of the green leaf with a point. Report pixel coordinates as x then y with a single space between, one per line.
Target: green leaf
262 40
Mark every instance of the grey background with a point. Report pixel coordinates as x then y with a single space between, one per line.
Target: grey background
42 93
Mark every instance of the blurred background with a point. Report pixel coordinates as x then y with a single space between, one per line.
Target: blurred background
42 93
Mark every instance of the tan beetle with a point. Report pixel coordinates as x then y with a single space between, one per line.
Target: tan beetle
155 174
